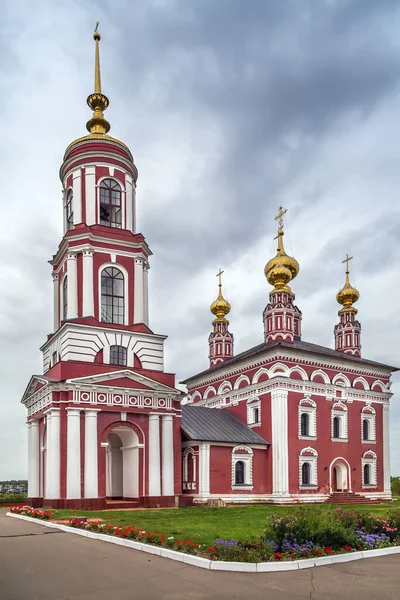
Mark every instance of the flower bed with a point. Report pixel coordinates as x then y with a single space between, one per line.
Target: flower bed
305 533
28 511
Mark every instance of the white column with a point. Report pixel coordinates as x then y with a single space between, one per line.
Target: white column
33 459
87 292
72 286
280 446
138 304
90 195
146 294
154 455
77 197
91 448
204 469
386 448
56 301
129 204
73 452
53 454
167 455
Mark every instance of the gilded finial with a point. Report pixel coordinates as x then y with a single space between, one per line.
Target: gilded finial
348 294
97 101
220 307
282 268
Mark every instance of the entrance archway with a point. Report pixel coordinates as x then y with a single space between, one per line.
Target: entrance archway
122 464
340 477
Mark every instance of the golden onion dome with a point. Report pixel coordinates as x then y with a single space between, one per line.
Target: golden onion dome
220 307
282 258
279 276
348 294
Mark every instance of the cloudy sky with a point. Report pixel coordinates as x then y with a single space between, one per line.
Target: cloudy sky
231 108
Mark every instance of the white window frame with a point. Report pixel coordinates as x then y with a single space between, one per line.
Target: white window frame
369 458
253 403
309 407
188 485
309 455
244 454
339 409
368 413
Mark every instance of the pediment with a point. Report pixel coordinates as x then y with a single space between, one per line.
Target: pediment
124 379
36 382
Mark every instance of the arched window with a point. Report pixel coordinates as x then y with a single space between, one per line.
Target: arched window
239 472
305 473
336 427
112 296
65 298
256 414
305 424
118 355
110 203
367 474
365 429
69 210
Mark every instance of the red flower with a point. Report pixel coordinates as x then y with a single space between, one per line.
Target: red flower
277 556
328 550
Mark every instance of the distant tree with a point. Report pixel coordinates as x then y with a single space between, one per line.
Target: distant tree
395 484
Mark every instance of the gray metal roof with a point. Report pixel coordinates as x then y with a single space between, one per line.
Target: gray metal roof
296 345
216 425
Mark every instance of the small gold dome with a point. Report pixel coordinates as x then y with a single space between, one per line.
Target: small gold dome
347 296
220 307
282 258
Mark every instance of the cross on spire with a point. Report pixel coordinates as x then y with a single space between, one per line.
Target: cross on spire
347 260
282 211
219 274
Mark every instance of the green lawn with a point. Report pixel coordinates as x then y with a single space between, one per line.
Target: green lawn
203 525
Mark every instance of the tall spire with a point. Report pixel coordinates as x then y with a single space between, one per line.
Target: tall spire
220 341
282 319
97 101
348 331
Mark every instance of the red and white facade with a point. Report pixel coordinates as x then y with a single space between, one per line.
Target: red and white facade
104 418
299 421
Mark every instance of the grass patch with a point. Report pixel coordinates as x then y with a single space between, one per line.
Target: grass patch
203 525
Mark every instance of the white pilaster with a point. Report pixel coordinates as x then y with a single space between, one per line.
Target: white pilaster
154 455
138 302
204 469
90 195
77 197
53 454
87 292
146 294
280 446
56 300
167 455
130 221
73 452
33 459
91 470
386 448
72 286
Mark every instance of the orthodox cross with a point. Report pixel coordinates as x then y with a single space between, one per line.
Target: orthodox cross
219 274
97 25
347 260
279 216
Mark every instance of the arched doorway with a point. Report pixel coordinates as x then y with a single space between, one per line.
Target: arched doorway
340 476
122 464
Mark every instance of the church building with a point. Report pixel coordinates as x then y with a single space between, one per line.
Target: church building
285 421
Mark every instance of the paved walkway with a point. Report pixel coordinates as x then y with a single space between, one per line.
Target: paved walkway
37 563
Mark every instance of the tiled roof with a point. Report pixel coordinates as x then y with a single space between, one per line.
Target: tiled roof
216 425
296 345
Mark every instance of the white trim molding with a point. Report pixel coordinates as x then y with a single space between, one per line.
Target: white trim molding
369 460
339 411
308 407
310 456
253 411
243 454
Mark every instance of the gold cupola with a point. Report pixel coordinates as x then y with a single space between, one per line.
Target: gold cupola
348 294
220 307
97 101
282 268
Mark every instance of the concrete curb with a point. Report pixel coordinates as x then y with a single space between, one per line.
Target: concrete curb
204 563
